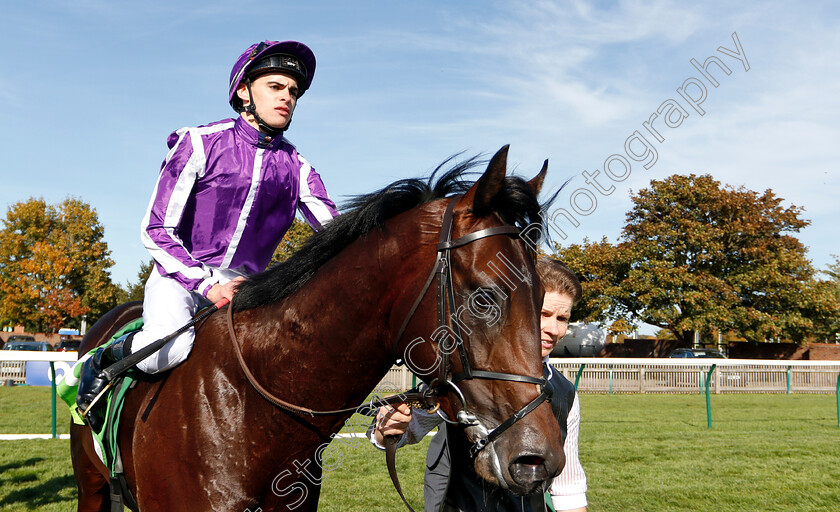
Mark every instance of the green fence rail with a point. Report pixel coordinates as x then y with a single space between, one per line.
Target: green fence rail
639 369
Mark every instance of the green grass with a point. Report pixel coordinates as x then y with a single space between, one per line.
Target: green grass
28 410
36 475
640 452
764 453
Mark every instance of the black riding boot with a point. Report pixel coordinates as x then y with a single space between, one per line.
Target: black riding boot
92 381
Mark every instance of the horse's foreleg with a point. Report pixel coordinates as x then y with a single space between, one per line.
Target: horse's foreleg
90 480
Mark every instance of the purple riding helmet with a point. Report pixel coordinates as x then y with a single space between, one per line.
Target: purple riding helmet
289 57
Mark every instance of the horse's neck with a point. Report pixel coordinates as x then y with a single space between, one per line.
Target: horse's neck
334 336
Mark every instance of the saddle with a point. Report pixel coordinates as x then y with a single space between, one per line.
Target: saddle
105 441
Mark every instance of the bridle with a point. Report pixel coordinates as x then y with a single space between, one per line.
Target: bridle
446 310
442 271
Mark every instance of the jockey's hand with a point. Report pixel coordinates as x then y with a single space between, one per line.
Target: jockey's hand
391 421
223 291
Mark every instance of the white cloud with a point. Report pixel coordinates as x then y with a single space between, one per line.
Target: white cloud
625 22
774 126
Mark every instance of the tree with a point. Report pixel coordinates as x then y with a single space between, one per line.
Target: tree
135 291
828 326
694 255
53 265
293 240
663 334
594 263
833 270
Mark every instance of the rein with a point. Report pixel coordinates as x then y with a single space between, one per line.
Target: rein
408 397
442 271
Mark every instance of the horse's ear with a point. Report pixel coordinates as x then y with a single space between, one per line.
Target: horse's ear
481 194
537 181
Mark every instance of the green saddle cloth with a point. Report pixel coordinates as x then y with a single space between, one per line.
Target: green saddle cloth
68 385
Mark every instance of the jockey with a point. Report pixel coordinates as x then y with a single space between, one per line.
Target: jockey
226 195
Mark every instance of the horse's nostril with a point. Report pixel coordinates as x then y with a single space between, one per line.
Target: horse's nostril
529 471
530 460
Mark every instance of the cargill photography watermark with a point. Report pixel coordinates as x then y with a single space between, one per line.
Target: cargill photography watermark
640 148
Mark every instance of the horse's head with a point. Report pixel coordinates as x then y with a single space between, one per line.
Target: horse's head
475 336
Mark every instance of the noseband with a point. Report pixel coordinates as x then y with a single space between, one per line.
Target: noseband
442 270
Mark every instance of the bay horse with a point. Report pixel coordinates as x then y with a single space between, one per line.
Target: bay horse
323 328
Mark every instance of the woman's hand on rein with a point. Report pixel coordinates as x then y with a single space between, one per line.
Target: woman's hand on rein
391 421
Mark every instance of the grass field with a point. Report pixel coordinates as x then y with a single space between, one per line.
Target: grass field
640 452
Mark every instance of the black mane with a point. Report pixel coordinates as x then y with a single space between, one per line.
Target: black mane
517 205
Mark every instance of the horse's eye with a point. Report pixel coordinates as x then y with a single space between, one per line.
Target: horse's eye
484 298
484 303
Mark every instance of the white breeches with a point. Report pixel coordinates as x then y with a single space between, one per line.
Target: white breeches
167 306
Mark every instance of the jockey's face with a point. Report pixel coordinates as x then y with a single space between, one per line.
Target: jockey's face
554 320
275 95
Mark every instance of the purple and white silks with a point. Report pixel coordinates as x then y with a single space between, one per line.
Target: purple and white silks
224 199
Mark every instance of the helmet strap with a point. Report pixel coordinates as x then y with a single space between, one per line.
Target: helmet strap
252 109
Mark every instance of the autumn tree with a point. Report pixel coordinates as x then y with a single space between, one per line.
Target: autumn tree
827 328
53 265
695 255
292 241
833 270
595 264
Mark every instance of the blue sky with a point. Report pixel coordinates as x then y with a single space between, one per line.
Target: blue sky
91 89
